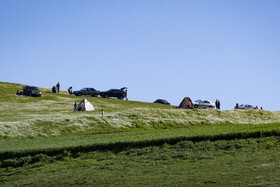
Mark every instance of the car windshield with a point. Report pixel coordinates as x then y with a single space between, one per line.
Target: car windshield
198 101
33 88
160 100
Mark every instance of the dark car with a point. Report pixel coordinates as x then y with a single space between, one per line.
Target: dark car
31 91
162 101
87 91
118 93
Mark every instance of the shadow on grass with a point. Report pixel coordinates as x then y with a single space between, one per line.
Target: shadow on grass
117 147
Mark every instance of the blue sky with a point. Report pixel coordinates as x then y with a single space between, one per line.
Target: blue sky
204 49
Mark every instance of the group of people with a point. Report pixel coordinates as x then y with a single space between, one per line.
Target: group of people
218 105
55 89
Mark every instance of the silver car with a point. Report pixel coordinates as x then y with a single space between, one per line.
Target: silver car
246 107
203 104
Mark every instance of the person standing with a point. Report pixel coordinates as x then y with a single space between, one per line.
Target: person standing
217 103
57 87
70 90
125 92
75 107
236 106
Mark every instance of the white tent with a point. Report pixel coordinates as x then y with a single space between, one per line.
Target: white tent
85 105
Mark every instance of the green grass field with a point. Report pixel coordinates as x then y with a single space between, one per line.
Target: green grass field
44 142
220 163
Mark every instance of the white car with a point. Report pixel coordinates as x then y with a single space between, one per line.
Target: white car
203 104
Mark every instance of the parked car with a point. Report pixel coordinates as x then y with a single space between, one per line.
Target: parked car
246 107
118 93
203 104
162 101
31 91
87 91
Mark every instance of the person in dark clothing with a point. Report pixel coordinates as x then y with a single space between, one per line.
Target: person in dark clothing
53 89
70 90
102 112
125 93
236 106
57 87
218 104
124 89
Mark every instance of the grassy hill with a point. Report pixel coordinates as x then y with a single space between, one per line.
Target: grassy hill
44 142
53 115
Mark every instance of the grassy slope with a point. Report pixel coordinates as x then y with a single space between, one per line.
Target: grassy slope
52 115
32 126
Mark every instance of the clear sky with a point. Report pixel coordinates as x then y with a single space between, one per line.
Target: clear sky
204 49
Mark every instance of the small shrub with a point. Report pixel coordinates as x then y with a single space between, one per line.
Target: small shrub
40 158
9 163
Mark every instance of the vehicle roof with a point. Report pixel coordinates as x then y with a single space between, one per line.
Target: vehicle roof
114 89
161 100
202 100
32 86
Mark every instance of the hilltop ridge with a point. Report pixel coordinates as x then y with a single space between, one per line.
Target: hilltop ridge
53 115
